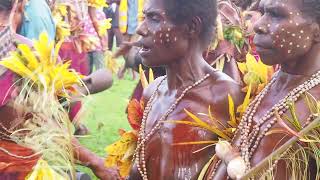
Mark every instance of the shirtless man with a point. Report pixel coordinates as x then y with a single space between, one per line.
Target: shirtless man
288 34
174 35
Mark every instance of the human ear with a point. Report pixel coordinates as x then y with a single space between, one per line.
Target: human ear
195 27
316 32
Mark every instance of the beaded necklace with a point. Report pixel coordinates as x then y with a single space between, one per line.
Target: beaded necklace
143 137
249 140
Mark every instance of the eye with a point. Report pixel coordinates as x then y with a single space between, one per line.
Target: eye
274 14
153 17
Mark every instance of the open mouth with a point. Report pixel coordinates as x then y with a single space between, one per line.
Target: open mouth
145 50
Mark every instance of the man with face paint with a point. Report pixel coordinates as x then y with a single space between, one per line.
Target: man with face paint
16 161
287 34
174 35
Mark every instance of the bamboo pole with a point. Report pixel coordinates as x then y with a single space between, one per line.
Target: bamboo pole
280 150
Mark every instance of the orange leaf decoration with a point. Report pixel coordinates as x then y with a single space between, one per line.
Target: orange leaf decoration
120 154
135 113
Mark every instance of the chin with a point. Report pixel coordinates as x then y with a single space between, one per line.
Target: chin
269 60
148 62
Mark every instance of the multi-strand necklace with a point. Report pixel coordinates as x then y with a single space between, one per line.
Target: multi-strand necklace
251 135
144 137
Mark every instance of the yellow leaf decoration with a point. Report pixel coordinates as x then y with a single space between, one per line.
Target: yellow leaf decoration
233 120
63 29
110 62
97 3
255 73
42 171
151 76
104 25
120 153
42 66
224 131
143 78
242 108
197 122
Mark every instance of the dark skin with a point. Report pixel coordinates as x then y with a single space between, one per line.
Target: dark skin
95 83
181 55
8 119
299 59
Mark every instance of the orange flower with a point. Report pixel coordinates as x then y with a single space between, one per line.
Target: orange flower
135 113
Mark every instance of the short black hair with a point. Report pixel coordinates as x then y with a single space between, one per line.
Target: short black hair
6 5
183 11
312 8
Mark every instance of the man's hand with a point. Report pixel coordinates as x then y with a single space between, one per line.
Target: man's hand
105 173
94 162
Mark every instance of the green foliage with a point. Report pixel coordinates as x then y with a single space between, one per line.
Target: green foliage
235 35
105 115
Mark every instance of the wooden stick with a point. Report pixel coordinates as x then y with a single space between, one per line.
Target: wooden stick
280 150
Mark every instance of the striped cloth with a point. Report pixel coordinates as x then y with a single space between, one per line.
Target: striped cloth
6 77
8 41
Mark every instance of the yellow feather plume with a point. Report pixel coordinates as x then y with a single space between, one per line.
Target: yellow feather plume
42 66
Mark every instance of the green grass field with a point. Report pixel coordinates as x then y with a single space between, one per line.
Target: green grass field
104 115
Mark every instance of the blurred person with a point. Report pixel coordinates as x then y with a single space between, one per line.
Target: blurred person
130 15
91 27
36 19
113 12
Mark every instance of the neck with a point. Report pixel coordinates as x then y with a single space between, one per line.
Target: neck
186 71
306 65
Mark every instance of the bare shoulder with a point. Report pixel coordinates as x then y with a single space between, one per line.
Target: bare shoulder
148 91
222 85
